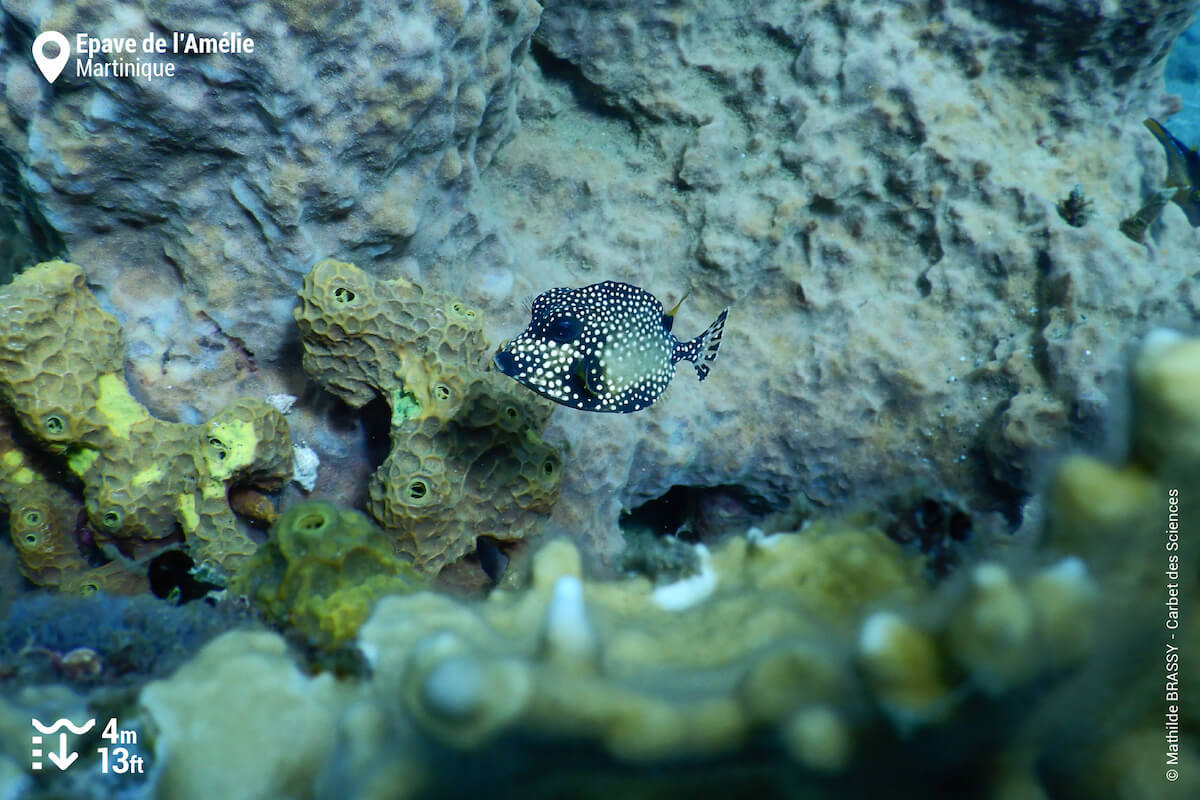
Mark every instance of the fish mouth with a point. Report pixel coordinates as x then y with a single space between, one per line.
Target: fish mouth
505 362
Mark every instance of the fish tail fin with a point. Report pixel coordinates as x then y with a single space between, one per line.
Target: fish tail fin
702 350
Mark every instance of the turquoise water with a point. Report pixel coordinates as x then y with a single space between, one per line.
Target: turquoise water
1183 78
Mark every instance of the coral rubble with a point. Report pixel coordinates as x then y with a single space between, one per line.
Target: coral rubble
145 481
467 459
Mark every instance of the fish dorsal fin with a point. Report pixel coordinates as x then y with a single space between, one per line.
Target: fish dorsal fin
669 317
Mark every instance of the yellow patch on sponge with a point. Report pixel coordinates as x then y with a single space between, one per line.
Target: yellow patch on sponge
117 405
188 518
80 459
231 447
148 475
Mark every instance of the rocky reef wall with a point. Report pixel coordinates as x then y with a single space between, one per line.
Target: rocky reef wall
873 186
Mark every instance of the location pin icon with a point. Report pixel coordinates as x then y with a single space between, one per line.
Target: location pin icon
51 66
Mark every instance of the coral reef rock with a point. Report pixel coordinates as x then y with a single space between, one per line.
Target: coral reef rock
466 459
877 181
144 479
877 184
342 130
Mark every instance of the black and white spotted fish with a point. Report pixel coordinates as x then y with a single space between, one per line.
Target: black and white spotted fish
605 347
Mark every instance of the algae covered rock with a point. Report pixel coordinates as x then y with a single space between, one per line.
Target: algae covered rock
642 673
243 705
144 480
467 458
1166 395
808 649
321 570
783 637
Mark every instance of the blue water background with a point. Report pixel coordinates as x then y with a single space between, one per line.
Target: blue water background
1183 78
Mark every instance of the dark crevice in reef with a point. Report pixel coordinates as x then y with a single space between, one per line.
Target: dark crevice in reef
26 237
698 513
377 428
824 206
934 524
588 95
493 560
1002 485
1006 500
924 287
18 34
659 534
1050 291
171 578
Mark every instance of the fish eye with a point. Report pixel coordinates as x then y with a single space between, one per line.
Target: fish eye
564 329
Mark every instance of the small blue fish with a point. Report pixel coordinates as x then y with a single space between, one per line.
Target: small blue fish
605 347
1183 171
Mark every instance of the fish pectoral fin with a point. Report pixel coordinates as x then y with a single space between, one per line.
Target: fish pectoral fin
589 374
